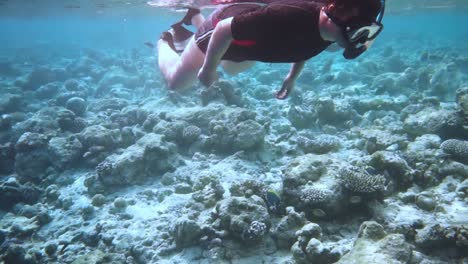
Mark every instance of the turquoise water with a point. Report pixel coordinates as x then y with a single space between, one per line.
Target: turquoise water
366 162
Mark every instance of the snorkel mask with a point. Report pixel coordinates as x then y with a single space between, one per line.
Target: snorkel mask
357 38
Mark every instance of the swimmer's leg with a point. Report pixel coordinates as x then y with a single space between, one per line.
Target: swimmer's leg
180 35
233 68
179 71
193 17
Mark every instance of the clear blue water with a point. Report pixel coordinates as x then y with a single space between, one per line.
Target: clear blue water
129 28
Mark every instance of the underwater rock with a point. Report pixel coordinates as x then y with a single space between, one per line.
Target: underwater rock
222 91
32 158
208 191
395 64
248 188
83 66
424 147
43 121
105 104
74 85
306 188
52 192
66 120
377 139
172 131
131 115
186 233
117 76
97 142
48 90
37 212
50 248
432 121
63 97
284 233
380 103
462 101
12 192
8 69
120 203
248 134
149 155
457 149
301 170
77 105
17 254
98 200
11 103
335 113
38 77
224 129
204 116
309 249
396 167
5 122
97 135
183 188
151 121
64 151
321 144
190 134
301 118
385 83
7 158
93 257
426 201
373 248
309 167
371 230
236 215
443 240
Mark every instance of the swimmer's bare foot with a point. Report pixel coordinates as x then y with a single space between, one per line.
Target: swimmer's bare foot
191 12
286 88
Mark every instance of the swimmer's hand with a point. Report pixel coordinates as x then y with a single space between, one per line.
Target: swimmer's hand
207 77
286 88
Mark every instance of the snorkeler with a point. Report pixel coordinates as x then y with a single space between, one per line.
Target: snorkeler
283 31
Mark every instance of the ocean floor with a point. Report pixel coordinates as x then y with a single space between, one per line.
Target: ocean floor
366 162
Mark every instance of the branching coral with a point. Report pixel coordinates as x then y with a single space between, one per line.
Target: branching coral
359 180
313 196
191 133
458 149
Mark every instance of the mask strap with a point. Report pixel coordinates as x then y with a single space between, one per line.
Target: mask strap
382 12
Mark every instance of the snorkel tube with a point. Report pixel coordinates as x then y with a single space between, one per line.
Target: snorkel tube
354 41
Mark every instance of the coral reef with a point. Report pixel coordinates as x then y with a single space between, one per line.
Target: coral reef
100 163
148 156
458 149
373 245
360 180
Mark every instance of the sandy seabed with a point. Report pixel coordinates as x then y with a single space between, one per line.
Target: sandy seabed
364 163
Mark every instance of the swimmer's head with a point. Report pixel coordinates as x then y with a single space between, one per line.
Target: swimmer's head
353 13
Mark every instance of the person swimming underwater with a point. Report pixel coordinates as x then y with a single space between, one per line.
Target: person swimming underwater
282 31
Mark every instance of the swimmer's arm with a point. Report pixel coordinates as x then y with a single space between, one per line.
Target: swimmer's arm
289 81
219 44
296 69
